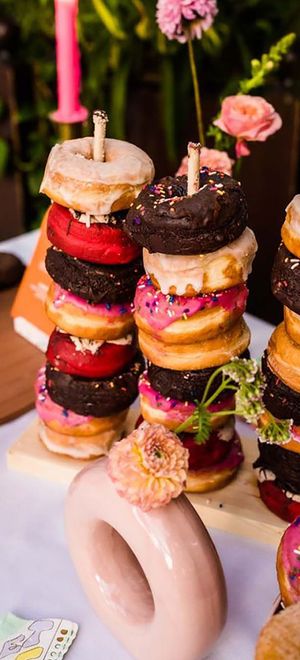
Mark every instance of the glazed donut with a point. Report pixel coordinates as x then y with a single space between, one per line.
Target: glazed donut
186 385
143 592
290 230
158 409
203 273
280 637
285 279
282 401
94 282
288 564
97 397
292 324
101 242
277 501
90 359
284 357
177 319
209 353
166 219
210 468
72 178
77 317
278 474
81 446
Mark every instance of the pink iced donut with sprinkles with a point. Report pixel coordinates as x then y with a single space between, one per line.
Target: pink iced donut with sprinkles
288 564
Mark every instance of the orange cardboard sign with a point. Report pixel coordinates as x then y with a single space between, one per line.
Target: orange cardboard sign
28 310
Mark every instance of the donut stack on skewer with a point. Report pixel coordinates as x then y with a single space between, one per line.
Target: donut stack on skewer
278 465
197 254
91 374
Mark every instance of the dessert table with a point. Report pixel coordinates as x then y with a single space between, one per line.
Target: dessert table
38 580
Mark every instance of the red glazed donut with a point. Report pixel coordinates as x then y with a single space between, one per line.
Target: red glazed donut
277 501
99 243
89 359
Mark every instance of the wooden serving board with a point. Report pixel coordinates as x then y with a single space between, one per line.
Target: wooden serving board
236 508
19 363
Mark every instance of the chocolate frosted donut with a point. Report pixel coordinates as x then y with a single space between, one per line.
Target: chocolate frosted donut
285 279
279 399
95 283
185 385
284 464
164 219
96 397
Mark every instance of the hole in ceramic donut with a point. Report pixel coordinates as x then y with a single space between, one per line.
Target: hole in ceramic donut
119 575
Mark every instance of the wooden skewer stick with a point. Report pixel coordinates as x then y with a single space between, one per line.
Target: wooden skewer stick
193 177
100 120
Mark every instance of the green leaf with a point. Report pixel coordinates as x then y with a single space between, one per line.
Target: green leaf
110 21
269 62
4 151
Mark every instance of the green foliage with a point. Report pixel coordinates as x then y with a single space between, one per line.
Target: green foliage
122 50
269 62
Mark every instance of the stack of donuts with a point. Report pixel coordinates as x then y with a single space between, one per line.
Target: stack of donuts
197 255
91 374
278 465
280 637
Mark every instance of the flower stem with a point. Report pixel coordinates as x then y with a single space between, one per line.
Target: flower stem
237 167
196 91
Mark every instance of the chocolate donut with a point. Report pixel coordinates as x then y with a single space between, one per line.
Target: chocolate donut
96 397
95 283
279 399
185 385
285 279
165 219
284 464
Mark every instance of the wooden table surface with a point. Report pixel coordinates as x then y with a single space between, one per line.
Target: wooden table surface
19 362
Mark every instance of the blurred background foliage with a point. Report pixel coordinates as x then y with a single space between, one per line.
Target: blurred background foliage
123 53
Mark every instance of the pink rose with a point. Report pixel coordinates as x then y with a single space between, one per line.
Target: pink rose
211 158
248 118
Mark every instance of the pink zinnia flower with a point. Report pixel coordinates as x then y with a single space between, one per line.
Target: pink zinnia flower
249 119
211 158
177 18
149 467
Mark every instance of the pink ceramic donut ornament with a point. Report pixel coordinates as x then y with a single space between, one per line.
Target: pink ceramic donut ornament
145 560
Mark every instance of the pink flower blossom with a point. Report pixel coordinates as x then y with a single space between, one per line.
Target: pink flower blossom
149 467
211 158
177 18
249 119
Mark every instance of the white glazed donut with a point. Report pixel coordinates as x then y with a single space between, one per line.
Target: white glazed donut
72 178
154 578
187 275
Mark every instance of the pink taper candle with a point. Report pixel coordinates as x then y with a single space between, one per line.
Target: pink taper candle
68 64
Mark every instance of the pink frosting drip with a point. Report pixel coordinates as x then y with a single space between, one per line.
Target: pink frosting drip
49 411
290 545
176 410
161 310
62 297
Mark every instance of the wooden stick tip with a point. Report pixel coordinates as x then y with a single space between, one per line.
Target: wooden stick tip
100 117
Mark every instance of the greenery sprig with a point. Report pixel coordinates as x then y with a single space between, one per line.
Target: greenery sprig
269 62
245 379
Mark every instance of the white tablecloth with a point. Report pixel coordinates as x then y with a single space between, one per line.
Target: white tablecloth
37 578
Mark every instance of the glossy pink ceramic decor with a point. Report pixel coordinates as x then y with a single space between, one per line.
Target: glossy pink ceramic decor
154 578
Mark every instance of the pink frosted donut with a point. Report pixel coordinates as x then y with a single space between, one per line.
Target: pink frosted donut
288 564
158 409
153 578
73 179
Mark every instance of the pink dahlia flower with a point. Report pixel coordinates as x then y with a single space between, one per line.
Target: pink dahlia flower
149 467
249 119
211 158
177 18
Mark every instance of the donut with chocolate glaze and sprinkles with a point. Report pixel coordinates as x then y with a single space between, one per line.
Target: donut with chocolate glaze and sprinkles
96 283
96 397
285 279
165 219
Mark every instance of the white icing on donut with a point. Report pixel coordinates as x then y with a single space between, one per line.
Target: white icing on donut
93 345
264 475
293 214
74 179
183 270
88 219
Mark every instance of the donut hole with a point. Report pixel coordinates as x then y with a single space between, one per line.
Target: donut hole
119 575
